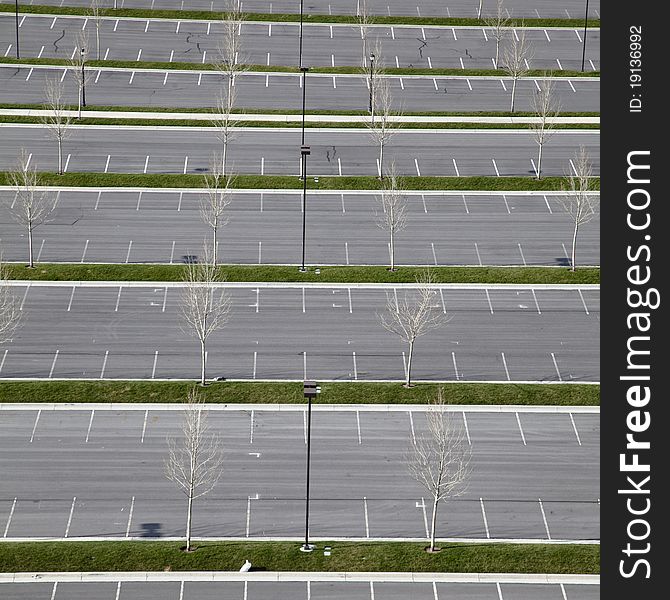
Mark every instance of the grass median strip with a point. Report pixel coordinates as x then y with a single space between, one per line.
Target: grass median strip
285 556
283 124
291 274
277 182
258 392
201 15
193 66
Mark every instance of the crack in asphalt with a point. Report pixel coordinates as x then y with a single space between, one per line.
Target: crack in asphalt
58 40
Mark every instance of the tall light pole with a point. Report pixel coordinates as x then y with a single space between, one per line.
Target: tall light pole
304 153
303 70
83 77
586 21
310 390
300 51
17 28
372 74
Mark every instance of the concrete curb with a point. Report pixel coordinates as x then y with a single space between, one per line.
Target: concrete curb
284 576
475 408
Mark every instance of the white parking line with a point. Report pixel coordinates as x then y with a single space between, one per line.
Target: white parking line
8 49
432 245
444 306
4 357
467 429
479 258
367 522
523 258
572 86
586 310
153 370
37 420
304 365
69 520
9 519
53 364
518 420
132 76
416 164
505 365
146 164
544 518
104 364
118 298
353 354
537 304
422 506
467 210
25 295
67 162
130 516
453 160
90 423
53 591
500 596
495 166
453 359
572 420
486 523
351 306
553 358
411 426
253 374
358 426
532 164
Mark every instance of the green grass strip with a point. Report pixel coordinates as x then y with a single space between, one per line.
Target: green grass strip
231 392
193 66
142 13
283 274
288 111
168 180
135 122
285 556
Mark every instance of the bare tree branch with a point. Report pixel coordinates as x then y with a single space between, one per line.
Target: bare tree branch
205 307
56 120
195 459
382 127
516 55
393 215
96 16
414 315
439 459
580 205
31 206
498 24
546 108
215 201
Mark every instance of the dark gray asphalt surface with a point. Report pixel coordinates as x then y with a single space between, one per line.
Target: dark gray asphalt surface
22 84
287 334
277 43
456 8
276 151
164 226
537 477
296 591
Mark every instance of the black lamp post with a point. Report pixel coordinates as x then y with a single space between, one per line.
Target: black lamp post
304 153
83 77
300 50
372 74
17 28
310 390
586 21
303 70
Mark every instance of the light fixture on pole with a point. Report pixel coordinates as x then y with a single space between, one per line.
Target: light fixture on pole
372 74
586 22
304 153
310 390
17 28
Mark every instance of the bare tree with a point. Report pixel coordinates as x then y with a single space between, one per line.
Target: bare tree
364 20
10 313
516 55
195 459
413 316
215 201
204 306
79 61
31 206
230 64
56 120
479 10
578 202
96 17
374 73
383 127
393 215
439 459
498 24
546 108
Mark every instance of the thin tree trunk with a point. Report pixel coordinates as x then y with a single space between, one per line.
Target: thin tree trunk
497 52
408 375
513 94
97 40
539 163
573 266
223 155
381 160
30 246
60 156
392 249
188 521
215 229
432 525
79 98
202 363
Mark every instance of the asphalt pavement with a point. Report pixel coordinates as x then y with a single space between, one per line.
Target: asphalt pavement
533 476
276 44
165 226
300 332
573 9
277 91
276 151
